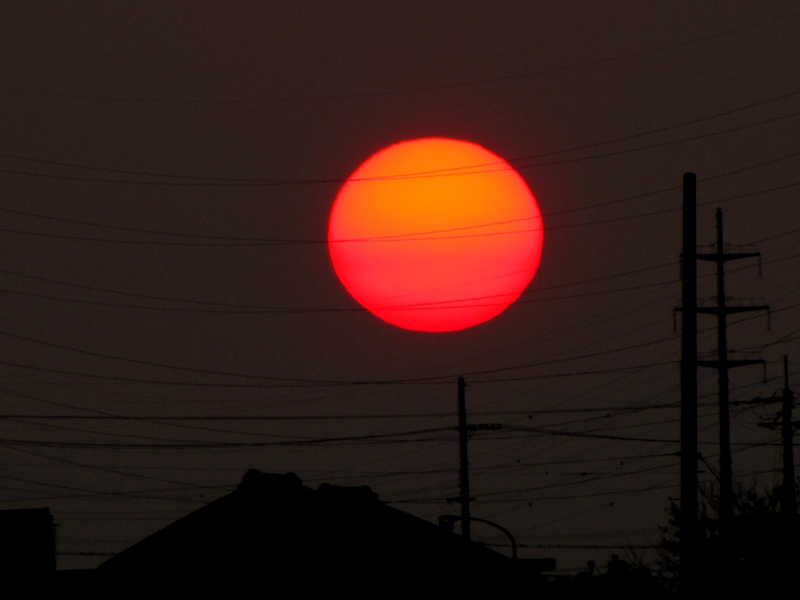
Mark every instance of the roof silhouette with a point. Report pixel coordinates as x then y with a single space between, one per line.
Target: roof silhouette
275 522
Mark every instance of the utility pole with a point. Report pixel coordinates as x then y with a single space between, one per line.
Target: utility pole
688 453
464 458
788 496
463 438
722 364
789 499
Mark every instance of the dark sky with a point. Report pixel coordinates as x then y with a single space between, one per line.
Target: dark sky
166 175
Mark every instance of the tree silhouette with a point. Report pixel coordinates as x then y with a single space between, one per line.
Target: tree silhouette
758 546
620 577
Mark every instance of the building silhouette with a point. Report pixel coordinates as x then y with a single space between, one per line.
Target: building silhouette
27 543
273 525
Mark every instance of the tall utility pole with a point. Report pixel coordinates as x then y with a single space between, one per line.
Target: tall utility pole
722 364
464 458
688 509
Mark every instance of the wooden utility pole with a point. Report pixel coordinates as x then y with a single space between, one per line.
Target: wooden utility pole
464 431
464 458
688 508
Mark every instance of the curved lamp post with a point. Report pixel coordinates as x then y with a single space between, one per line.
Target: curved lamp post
448 522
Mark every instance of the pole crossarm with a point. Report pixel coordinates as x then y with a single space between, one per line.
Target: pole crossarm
729 310
716 364
484 426
723 257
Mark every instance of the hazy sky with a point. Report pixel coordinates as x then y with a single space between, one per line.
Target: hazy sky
166 175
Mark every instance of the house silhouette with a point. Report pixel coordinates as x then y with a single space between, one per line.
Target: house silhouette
274 525
27 543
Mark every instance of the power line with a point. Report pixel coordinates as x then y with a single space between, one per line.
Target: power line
240 242
284 310
589 146
418 89
295 182
259 307
339 417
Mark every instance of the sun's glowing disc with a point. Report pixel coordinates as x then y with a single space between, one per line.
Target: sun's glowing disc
435 234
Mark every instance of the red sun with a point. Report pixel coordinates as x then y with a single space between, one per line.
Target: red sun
435 234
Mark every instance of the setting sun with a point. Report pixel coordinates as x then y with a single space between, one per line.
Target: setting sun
435 234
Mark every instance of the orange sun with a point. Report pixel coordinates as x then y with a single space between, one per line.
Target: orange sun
435 234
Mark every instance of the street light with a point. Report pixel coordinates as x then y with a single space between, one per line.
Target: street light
449 522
